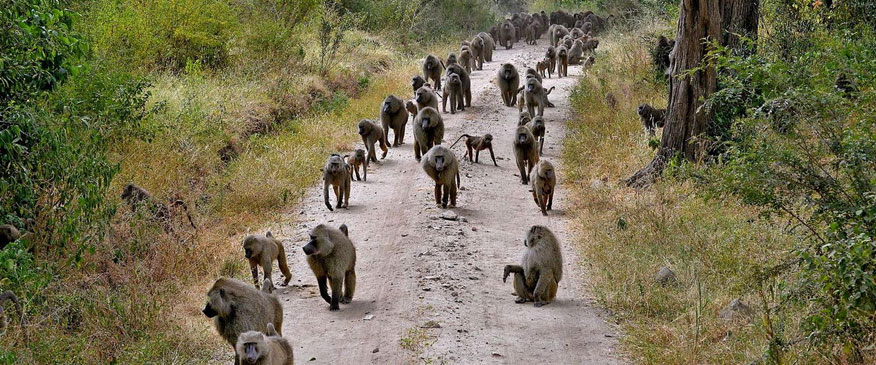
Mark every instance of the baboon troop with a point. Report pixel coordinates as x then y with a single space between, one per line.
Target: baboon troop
263 250
332 258
237 307
372 133
478 144
359 159
508 80
394 116
525 152
441 165
268 348
543 185
337 174
652 118
428 131
537 277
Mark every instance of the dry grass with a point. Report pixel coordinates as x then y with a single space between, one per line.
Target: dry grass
716 247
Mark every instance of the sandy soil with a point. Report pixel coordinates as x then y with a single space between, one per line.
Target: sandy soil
430 290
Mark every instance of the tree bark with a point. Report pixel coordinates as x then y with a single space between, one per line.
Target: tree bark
699 25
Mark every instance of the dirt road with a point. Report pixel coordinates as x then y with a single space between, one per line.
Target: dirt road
430 290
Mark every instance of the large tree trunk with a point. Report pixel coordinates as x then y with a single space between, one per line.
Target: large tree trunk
699 24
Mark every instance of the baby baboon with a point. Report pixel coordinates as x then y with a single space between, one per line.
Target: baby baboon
562 62
262 251
543 185
453 93
426 97
428 131
432 69
372 133
10 296
441 165
465 60
541 269
394 116
417 82
544 68
466 84
651 118
479 144
551 55
411 107
477 50
538 131
451 59
535 96
508 80
136 196
524 118
237 307
337 174
489 46
359 159
269 348
525 152
8 234
506 34
332 257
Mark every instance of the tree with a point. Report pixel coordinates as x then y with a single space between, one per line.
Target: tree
700 23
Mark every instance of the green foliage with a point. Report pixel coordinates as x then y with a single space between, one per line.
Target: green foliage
421 21
161 33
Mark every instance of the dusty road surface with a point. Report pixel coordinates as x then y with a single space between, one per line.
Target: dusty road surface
430 289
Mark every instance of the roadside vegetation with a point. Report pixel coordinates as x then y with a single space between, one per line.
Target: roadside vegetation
778 215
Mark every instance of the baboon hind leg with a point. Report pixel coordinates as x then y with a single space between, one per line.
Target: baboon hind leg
545 290
523 293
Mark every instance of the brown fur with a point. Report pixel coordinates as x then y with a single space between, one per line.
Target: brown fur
262 251
426 97
136 196
551 55
8 234
508 80
441 165
269 348
543 184
337 174
428 131
538 129
651 117
562 62
10 296
507 34
544 68
394 116
537 277
525 152
530 32
237 307
465 83
478 144
417 82
452 93
465 60
477 50
432 70
489 46
535 96
359 159
372 133
332 258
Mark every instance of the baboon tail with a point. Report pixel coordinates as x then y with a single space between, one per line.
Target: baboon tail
9 295
457 140
281 261
458 182
549 90
186 208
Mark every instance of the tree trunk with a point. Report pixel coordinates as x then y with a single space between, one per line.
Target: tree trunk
699 24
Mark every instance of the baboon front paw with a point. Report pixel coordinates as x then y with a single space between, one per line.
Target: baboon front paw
538 304
346 300
520 300
334 308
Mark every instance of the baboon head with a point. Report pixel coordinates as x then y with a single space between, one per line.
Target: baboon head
579 44
251 246
524 118
506 26
391 105
538 121
644 110
417 82
219 301
252 347
429 118
335 163
524 136
559 33
587 27
545 170
8 234
320 244
431 62
454 80
410 106
551 52
488 138
577 33
359 154
562 52
131 193
531 72
535 235
365 127
477 43
508 71
423 95
532 84
451 59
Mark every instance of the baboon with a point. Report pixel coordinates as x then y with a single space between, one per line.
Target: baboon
576 32
10 296
465 60
428 131
508 80
567 42
845 85
562 62
262 251
544 68
479 144
359 159
452 93
529 34
426 97
136 196
535 96
576 53
432 69
394 116
464 44
372 133
451 59
337 174
465 80
441 165
494 32
559 32
411 108
525 152
589 62
652 118
589 45
587 27
489 46
524 118
551 55
541 269
229 152
417 82
543 185
8 234
477 50
538 131
531 72
332 257
506 34
269 348
660 54
237 307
